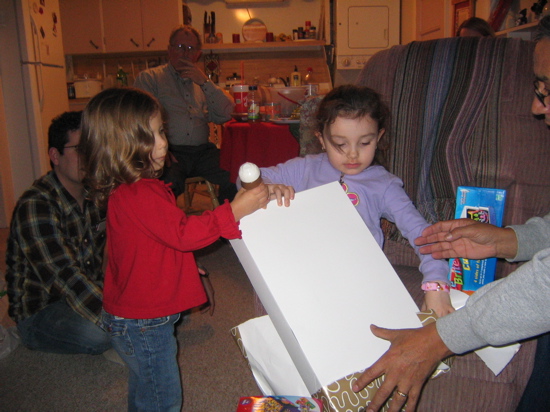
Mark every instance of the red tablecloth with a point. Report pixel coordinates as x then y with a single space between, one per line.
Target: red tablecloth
263 143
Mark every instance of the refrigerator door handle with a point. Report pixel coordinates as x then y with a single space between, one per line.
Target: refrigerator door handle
40 84
37 63
57 66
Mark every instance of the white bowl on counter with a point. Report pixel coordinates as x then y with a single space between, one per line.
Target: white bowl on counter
288 97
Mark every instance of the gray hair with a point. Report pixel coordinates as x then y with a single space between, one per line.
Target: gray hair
188 29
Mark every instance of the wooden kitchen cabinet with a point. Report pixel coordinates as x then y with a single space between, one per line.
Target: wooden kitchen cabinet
81 26
139 25
159 17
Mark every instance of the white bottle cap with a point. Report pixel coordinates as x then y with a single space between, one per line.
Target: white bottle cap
249 172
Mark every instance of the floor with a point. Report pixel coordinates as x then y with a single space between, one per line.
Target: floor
200 202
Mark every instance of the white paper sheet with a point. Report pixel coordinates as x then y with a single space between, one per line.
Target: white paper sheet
269 360
496 359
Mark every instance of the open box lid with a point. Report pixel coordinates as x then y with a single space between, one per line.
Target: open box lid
323 280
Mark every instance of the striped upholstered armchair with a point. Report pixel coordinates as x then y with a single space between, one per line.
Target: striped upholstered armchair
461 116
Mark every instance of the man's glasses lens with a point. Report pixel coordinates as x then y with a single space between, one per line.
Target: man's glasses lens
185 48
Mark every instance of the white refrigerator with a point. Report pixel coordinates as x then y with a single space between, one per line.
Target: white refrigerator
34 90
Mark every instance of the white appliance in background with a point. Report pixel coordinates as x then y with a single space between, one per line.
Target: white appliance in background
357 29
42 64
362 28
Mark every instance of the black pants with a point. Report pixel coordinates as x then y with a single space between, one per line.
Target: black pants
203 160
536 397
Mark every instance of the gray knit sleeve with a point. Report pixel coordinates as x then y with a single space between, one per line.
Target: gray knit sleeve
503 311
533 237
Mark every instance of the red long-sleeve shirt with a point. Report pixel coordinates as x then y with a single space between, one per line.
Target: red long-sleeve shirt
151 269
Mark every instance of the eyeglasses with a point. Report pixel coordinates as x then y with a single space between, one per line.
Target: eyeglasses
538 93
76 147
184 48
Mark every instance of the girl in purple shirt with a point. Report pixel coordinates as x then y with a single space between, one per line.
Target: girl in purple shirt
350 126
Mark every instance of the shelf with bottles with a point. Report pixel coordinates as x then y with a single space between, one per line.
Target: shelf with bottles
291 45
525 31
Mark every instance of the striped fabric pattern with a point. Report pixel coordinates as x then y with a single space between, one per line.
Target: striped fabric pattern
461 115
450 124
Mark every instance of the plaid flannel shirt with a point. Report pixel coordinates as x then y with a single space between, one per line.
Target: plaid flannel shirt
54 252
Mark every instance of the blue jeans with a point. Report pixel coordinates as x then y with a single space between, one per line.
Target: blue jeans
59 329
149 348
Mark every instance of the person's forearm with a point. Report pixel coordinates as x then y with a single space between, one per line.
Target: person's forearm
507 244
532 237
503 311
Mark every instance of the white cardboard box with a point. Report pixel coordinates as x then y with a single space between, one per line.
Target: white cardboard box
323 280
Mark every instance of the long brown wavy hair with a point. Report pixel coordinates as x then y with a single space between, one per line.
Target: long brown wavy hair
117 141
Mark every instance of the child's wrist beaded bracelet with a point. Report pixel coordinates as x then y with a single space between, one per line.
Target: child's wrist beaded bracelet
429 286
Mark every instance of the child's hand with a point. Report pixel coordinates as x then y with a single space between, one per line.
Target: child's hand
279 192
439 301
248 201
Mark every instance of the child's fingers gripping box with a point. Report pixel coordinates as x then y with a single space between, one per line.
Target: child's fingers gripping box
484 205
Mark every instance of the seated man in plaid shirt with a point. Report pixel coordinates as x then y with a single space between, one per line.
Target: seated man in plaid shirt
54 255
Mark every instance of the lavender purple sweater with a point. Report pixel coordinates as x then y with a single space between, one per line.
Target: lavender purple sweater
379 195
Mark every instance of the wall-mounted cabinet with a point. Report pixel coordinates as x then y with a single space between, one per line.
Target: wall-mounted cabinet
81 25
139 25
118 26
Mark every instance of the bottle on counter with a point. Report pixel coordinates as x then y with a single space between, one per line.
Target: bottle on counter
308 78
71 90
295 77
313 33
214 78
254 104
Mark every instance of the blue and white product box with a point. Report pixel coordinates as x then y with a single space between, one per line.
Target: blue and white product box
483 205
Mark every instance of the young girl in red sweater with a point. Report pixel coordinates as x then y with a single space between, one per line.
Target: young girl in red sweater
151 274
